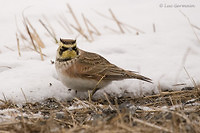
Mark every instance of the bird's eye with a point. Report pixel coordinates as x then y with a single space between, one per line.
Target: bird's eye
74 48
63 49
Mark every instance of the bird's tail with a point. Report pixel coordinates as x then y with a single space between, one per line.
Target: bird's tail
140 77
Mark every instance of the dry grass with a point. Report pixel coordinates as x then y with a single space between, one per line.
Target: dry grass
81 26
78 27
175 111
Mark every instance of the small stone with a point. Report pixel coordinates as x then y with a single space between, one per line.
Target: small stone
60 115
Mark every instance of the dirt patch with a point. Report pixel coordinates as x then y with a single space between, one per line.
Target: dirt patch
175 111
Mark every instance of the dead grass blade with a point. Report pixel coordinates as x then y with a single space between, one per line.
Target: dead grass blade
96 31
118 111
64 27
117 21
18 47
5 99
81 32
78 27
29 33
127 128
37 51
152 125
127 25
36 36
154 28
9 48
110 104
3 124
50 32
190 25
22 36
6 67
41 55
24 95
74 16
113 30
88 29
66 23
187 52
192 80
196 27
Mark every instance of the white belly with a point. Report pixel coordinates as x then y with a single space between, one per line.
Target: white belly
81 84
78 83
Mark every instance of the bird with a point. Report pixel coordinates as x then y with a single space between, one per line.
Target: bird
86 71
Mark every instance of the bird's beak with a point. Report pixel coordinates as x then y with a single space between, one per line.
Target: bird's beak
70 49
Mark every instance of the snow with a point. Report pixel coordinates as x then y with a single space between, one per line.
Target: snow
11 115
161 56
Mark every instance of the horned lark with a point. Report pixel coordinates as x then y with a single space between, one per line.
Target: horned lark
82 71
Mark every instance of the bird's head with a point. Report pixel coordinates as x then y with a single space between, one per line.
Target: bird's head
67 50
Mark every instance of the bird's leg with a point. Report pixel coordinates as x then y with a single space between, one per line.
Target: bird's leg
90 94
96 87
94 90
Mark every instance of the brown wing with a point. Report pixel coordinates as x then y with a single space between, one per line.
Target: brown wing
94 66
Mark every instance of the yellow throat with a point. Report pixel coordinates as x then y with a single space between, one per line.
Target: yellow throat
67 50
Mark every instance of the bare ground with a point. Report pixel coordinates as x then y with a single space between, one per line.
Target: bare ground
169 111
